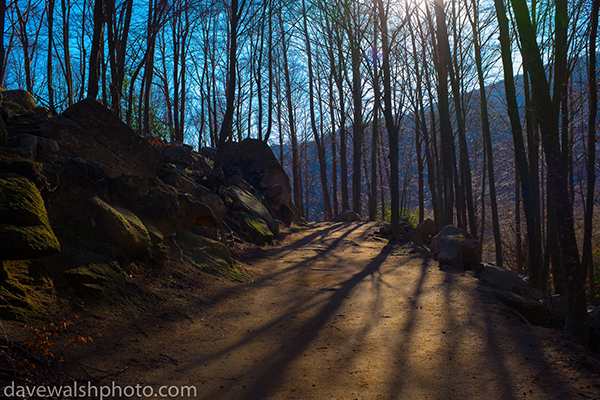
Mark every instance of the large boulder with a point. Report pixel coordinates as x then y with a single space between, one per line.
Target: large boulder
89 130
180 207
123 227
254 161
455 247
255 227
241 200
25 231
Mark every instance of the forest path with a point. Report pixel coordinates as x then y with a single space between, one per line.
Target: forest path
332 313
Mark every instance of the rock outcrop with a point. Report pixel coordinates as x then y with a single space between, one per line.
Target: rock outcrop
121 206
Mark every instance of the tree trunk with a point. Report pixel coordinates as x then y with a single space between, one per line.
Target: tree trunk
296 167
2 48
531 207
392 128
226 131
446 136
375 123
591 152
66 11
49 71
94 66
313 122
485 130
547 111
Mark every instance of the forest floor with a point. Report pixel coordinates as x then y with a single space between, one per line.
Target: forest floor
332 312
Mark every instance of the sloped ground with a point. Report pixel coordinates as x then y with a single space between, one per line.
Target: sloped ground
334 314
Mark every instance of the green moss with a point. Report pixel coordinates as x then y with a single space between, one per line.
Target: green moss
20 202
27 242
209 255
25 297
95 277
25 231
256 227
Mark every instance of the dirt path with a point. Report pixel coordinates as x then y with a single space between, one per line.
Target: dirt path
331 314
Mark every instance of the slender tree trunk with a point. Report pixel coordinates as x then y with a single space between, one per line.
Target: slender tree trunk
485 129
392 128
271 83
375 124
531 207
66 12
591 152
446 136
340 73
94 66
296 167
358 126
226 131
313 122
24 39
49 71
2 48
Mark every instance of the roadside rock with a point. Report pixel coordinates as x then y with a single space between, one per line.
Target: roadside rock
25 231
347 216
413 236
557 305
427 228
3 133
123 227
171 177
504 279
456 247
240 200
532 310
255 227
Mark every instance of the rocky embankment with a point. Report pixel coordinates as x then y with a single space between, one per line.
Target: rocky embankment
86 205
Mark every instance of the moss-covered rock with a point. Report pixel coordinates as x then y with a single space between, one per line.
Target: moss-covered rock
100 280
18 107
26 297
25 231
208 255
241 200
123 227
256 228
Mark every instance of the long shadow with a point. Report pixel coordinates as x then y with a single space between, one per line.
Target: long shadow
298 306
402 353
271 377
293 309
